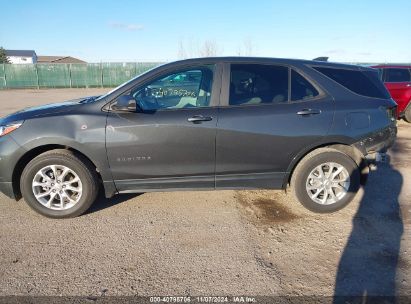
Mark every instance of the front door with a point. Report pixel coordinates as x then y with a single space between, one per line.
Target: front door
169 141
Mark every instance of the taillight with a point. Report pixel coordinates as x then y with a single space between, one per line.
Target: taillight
392 113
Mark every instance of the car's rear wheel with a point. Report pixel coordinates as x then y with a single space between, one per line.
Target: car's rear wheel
407 113
326 180
59 184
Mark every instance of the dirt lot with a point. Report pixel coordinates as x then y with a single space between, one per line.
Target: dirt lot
212 243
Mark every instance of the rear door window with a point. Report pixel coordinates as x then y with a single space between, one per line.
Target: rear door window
366 83
301 88
258 84
397 75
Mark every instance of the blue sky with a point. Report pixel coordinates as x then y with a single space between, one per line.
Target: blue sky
349 31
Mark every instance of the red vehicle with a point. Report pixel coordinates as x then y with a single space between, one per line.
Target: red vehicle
397 79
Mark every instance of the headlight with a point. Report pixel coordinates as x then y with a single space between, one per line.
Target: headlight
9 128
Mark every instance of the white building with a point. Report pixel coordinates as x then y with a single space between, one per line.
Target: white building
21 56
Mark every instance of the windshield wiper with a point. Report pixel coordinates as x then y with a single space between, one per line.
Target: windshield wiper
89 99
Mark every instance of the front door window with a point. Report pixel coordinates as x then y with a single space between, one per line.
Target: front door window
181 90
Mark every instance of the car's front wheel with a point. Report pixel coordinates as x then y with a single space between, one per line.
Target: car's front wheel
59 184
326 180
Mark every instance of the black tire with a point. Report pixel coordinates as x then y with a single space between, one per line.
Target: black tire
407 114
81 166
311 161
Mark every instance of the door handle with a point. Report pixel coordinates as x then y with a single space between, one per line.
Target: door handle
309 112
199 118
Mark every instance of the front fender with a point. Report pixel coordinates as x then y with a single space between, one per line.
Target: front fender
80 132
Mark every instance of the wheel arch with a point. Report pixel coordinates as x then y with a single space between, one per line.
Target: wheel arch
347 149
34 152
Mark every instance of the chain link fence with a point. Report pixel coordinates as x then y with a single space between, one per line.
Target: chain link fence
91 75
74 75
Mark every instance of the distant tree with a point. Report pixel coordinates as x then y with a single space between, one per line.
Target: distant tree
191 48
182 54
247 49
208 49
3 57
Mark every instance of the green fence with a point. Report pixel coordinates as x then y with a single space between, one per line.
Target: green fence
20 76
91 75
2 77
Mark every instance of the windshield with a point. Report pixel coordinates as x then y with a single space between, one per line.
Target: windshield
124 84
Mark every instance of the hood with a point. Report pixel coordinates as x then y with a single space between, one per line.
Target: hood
44 110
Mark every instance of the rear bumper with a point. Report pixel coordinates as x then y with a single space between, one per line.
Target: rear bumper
378 141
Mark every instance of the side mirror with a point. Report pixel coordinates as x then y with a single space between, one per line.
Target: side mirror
125 103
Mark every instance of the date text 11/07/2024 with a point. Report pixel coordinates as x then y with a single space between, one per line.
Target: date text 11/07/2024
204 299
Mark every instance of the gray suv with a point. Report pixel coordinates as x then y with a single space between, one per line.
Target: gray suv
210 123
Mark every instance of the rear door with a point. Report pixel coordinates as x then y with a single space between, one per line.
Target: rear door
269 114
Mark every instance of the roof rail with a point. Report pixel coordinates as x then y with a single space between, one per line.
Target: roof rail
321 59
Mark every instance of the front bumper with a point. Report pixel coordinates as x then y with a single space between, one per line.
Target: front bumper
378 141
10 153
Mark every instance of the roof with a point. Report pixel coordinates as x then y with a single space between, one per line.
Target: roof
267 60
21 53
58 59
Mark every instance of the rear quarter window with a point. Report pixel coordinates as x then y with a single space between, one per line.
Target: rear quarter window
365 83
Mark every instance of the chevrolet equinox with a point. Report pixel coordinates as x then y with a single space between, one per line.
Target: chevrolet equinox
210 123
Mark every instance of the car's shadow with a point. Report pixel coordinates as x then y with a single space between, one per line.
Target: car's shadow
102 202
370 260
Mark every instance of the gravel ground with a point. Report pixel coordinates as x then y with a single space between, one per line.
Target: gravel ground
212 243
